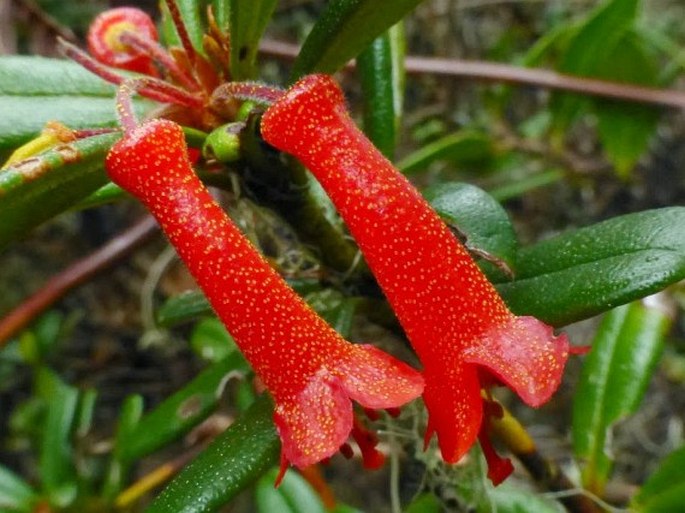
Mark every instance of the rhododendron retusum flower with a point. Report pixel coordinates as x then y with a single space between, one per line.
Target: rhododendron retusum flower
461 329
310 370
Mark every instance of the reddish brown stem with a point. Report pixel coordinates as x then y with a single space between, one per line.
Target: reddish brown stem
247 91
74 275
154 89
494 72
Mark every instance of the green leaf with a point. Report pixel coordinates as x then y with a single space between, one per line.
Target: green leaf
119 466
625 128
192 304
178 414
248 19
211 341
182 308
515 188
588 271
615 375
221 10
589 51
465 146
381 70
234 461
56 463
108 193
424 503
34 90
294 495
506 498
193 16
336 308
478 216
16 496
37 189
344 29
664 490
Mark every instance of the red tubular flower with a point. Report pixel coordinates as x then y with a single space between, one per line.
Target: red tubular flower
461 329
310 370
104 39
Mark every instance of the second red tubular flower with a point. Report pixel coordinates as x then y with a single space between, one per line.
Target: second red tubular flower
463 332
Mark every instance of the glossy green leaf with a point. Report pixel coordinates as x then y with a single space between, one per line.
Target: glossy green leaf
462 147
56 464
381 71
294 495
588 271
179 413
16 495
344 29
615 375
234 461
625 128
589 51
478 216
664 490
248 19
36 189
34 90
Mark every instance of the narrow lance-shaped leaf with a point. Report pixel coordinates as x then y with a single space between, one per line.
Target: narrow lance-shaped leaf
15 494
179 413
588 271
465 146
589 50
117 473
615 375
626 128
344 29
664 490
56 465
234 461
248 19
36 189
35 90
294 495
381 69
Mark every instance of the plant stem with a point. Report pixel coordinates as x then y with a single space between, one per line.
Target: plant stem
495 72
